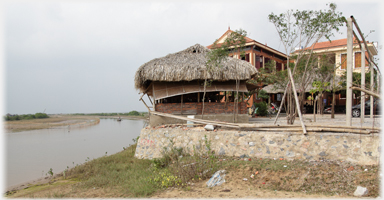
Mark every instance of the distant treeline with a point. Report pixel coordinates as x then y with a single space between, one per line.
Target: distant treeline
132 113
10 117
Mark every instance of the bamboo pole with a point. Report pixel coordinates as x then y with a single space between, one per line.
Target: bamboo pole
362 37
149 99
296 100
281 104
366 91
202 121
362 69
318 130
308 126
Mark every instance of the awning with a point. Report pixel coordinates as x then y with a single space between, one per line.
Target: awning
163 90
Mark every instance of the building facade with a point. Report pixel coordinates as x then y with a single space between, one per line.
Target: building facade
337 49
258 55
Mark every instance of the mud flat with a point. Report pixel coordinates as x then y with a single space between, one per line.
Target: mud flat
54 121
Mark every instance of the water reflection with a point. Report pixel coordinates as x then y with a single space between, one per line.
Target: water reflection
30 154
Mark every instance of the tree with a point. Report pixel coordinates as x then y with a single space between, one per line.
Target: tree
219 53
319 88
303 29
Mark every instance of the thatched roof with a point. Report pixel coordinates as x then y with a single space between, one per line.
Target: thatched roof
188 65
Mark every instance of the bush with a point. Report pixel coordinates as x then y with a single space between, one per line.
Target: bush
179 166
41 115
25 117
262 108
134 113
29 116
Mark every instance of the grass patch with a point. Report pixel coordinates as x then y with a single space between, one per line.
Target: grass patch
178 166
121 171
122 175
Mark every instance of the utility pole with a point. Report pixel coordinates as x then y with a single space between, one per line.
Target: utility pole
371 89
362 67
349 72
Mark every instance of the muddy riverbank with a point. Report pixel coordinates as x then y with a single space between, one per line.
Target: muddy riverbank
59 121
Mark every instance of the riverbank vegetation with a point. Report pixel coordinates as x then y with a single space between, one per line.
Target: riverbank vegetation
179 175
10 117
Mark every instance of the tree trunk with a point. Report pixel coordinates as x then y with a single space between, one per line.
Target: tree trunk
333 104
314 110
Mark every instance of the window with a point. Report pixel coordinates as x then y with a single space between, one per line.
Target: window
357 59
278 66
343 61
258 62
245 57
278 97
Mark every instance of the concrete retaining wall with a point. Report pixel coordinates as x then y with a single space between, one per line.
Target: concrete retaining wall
355 148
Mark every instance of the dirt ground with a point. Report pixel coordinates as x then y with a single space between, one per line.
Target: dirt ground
235 187
262 185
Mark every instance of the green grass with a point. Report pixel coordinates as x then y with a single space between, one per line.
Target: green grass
120 171
134 177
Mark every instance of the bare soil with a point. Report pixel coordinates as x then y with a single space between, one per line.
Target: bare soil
54 121
57 121
266 183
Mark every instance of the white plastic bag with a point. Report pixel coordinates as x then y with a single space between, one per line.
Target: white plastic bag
217 178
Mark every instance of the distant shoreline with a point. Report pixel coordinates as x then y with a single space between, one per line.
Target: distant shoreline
57 121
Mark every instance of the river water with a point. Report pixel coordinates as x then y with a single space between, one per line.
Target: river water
29 155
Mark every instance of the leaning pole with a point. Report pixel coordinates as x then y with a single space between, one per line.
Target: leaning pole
362 67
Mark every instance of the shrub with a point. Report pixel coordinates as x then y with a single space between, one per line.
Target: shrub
134 113
41 115
179 166
29 116
262 108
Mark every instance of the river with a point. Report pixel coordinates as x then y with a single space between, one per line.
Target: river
29 155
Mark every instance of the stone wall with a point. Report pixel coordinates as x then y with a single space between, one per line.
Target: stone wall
355 148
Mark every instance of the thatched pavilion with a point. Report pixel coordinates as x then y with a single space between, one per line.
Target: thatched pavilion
175 85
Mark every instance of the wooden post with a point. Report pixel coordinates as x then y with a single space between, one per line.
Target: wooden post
349 72
377 89
263 62
362 67
181 112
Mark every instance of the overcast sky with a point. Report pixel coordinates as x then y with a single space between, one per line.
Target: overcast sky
81 57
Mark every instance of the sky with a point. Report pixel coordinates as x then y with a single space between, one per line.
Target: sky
82 56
